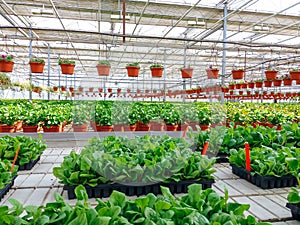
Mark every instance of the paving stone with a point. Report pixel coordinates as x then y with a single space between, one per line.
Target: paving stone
231 190
21 195
49 159
37 196
257 210
32 181
50 195
43 168
20 179
47 181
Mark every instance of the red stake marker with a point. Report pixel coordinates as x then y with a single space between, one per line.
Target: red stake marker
247 151
205 148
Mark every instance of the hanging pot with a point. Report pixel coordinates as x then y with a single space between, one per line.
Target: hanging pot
212 73
258 84
238 74
103 70
251 85
186 73
67 68
277 83
287 82
157 71
36 67
268 83
133 71
271 74
295 75
6 66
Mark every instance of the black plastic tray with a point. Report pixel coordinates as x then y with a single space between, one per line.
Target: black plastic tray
295 210
265 182
104 190
28 166
6 188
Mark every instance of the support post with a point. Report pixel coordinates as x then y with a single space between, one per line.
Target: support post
30 57
224 49
48 77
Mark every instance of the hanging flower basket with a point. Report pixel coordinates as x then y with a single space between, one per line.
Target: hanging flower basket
103 68
271 74
277 83
55 88
133 69
238 86
71 89
237 74
287 82
251 85
63 88
231 86
156 70
212 73
244 85
268 83
66 66
258 84
6 66
298 82
37 65
186 72
295 75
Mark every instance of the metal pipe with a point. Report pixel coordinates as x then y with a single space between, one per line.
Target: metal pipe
124 20
48 83
30 56
224 43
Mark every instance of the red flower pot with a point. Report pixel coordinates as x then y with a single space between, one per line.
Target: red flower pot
295 75
67 68
258 84
142 127
71 89
7 128
55 88
245 85
204 127
298 82
268 83
133 71
231 86
6 66
91 89
170 127
287 82
251 85
119 127
237 74
131 128
103 70
29 129
157 72
277 83
186 73
182 127
212 73
238 86
36 67
109 90
271 74
63 88
104 128
52 129
80 128
156 126
225 90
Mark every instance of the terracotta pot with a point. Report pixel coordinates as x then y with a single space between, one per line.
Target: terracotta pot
298 82
67 68
157 72
268 83
119 127
182 127
258 84
109 90
277 83
156 126
241 92
62 88
170 127
237 74
55 88
142 127
7 129
36 67
103 70
245 85
104 128
80 128
133 71
80 89
29 129
204 127
91 89
71 89
225 90
271 74
231 86
186 73
6 66
100 90
51 129
295 75
238 86
287 82
251 85
131 128
212 73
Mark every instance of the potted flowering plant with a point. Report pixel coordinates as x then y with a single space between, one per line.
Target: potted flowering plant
295 74
238 73
212 72
287 81
37 65
271 73
156 70
67 66
133 69
6 63
103 68
186 72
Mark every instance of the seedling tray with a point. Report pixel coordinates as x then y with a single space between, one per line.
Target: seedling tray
265 182
6 188
105 190
28 166
295 210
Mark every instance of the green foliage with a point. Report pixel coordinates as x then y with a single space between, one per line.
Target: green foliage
38 60
66 61
136 64
156 65
104 62
5 175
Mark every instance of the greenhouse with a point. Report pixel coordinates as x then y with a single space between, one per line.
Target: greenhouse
150 112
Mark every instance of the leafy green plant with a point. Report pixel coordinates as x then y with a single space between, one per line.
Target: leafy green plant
135 64
5 175
170 115
66 61
30 148
6 58
156 65
104 62
103 116
5 81
37 60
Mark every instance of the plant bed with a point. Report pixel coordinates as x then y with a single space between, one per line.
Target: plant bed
29 165
295 210
6 188
105 190
264 182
